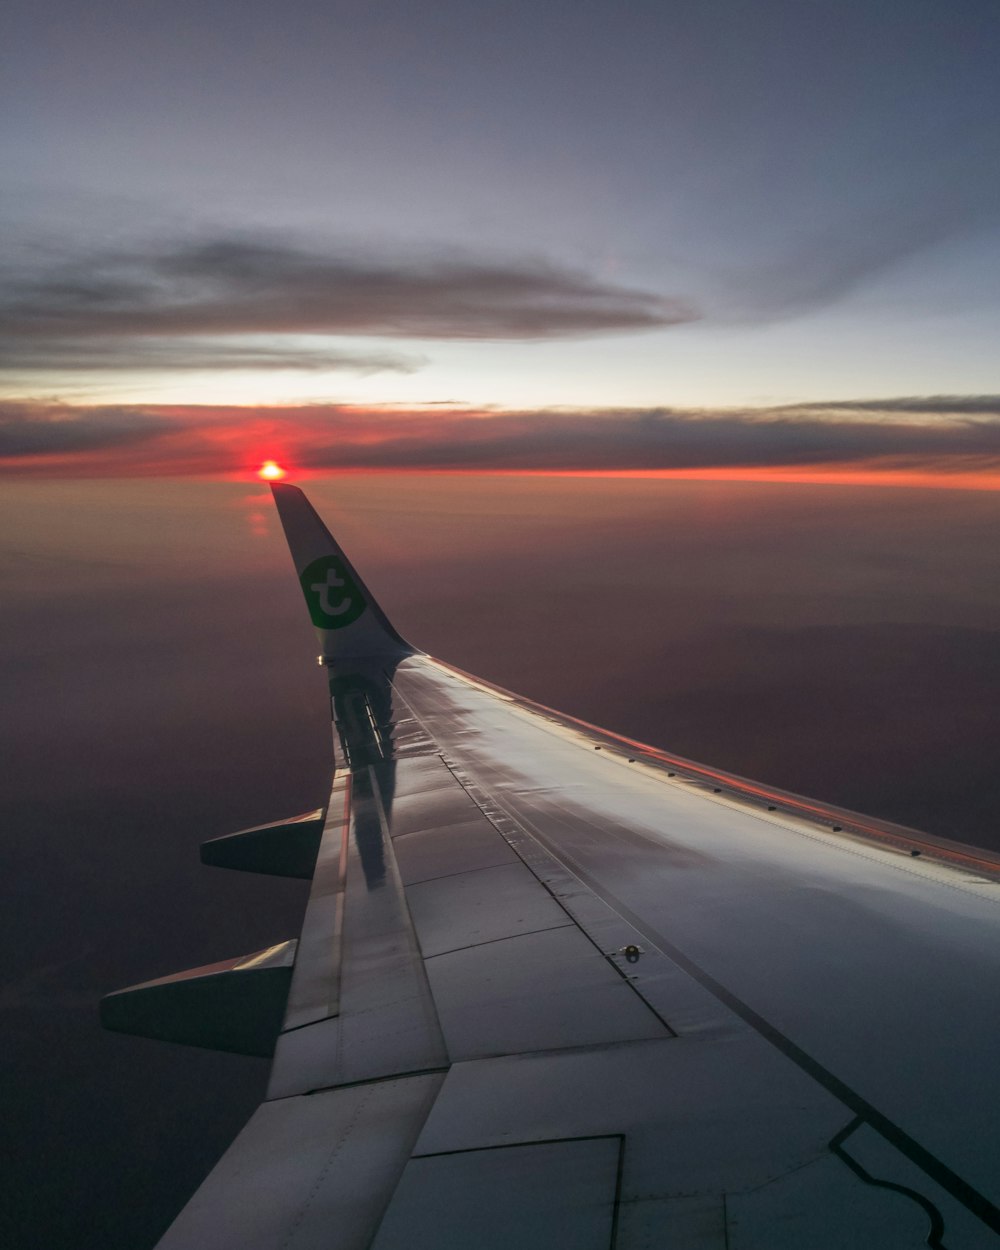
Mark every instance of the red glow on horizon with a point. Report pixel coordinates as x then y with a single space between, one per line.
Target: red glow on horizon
231 442
849 474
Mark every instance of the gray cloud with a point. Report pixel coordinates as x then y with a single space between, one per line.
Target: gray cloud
914 405
250 286
943 434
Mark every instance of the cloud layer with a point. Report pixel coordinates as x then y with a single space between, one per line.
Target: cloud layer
144 309
944 435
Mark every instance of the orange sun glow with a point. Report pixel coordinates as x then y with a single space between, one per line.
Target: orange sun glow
270 471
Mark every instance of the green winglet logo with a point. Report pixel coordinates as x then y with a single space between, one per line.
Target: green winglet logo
332 594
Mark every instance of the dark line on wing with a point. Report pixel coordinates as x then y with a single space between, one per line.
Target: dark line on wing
936 1231
519 1145
365 1080
507 937
618 1138
307 1024
461 872
619 1174
950 1181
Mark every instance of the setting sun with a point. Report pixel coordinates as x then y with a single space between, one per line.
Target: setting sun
270 471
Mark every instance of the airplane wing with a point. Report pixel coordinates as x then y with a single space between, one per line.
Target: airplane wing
558 989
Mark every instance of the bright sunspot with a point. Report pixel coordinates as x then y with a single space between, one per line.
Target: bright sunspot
270 471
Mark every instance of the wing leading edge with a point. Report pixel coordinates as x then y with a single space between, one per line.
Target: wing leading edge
555 988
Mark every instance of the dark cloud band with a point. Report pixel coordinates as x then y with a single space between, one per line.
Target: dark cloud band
961 432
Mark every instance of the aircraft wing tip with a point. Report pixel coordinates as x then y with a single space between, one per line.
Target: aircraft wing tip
284 488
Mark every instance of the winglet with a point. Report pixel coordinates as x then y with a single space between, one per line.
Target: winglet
349 623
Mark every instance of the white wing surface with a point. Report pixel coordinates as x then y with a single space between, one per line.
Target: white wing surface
557 989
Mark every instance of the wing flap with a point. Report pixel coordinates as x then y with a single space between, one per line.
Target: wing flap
315 987
384 1023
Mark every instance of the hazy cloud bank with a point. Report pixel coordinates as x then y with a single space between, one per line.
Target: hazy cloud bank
26 356
942 434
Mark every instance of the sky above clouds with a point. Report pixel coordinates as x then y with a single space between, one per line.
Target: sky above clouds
717 208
